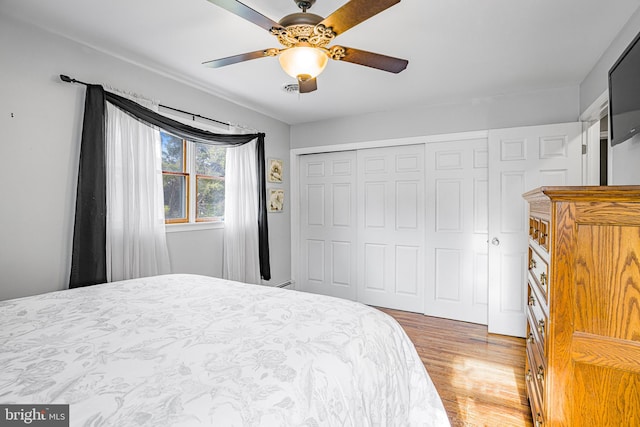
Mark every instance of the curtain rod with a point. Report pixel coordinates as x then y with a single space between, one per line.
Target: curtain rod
194 115
68 79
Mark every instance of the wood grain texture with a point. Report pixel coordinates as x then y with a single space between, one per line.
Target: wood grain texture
354 12
479 376
608 270
561 304
592 353
616 213
613 397
607 352
614 193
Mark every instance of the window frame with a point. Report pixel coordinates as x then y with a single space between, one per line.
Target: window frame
191 176
185 173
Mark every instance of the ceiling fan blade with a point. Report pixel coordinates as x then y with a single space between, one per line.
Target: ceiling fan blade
247 13
374 60
217 63
308 85
355 12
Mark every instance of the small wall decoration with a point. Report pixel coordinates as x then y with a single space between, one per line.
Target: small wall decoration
275 170
276 200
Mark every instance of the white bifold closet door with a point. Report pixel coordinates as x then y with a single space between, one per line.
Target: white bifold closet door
457 227
391 228
327 259
362 226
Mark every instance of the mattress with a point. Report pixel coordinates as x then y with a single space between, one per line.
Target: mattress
188 350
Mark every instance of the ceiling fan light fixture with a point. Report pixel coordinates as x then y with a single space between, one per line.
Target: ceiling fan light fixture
303 60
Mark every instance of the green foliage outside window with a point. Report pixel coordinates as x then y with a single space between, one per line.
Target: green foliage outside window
210 159
210 165
210 198
174 197
208 171
172 153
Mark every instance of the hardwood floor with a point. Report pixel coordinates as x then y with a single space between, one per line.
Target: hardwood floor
480 376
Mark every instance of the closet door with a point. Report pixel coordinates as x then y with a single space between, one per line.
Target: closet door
391 227
327 224
521 159
457 227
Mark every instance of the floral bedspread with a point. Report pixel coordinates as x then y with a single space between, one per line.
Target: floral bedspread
187 350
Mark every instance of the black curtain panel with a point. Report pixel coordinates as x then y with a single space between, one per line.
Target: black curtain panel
88 259
263 229
89 254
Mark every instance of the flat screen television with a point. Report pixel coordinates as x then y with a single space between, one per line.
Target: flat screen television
624 94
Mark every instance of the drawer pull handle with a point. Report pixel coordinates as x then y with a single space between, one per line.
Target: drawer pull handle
543 279
541 327
538 420
531 338
529 376
532 264
532 301
540 374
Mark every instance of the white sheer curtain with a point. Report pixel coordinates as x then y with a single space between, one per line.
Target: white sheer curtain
136 239
241 242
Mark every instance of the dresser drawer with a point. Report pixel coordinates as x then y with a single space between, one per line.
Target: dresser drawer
538 320
543 235
534 226
534 391
539 232
539 270
537 369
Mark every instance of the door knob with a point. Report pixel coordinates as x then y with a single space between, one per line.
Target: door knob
495 241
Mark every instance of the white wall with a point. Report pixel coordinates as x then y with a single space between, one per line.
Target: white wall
527 109
625 162
597 81
41 118
624 157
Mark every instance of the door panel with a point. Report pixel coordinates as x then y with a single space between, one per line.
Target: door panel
521 159
391 227
327 262
456 215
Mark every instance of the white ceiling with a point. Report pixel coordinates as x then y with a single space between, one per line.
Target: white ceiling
458 50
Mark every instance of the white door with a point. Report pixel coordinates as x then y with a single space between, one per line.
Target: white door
456 246
521 159
327 224
391 227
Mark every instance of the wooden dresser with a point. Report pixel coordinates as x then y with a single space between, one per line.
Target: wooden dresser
583 332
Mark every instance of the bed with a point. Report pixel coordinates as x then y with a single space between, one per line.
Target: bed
188 350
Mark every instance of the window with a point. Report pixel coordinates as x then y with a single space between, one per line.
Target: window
193 178
175 178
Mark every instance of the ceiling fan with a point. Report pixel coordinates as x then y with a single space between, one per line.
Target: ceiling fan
305 38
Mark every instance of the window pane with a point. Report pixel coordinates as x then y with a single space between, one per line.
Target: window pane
175 191
210 198
172 153
210 159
